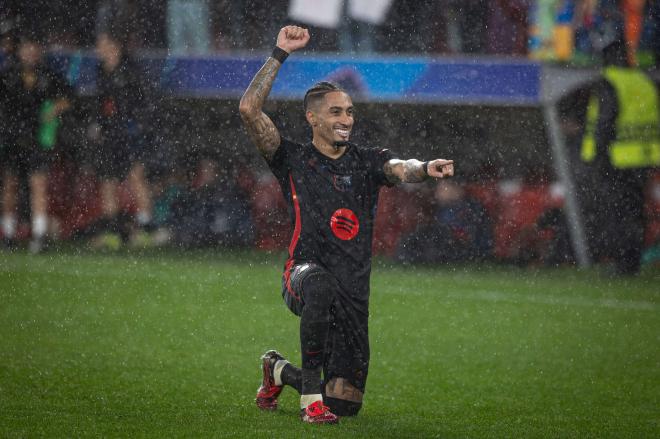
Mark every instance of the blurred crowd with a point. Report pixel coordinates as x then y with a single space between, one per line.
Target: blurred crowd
102 168
563 30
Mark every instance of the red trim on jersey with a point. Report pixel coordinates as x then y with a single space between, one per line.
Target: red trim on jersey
298 226
287 278
294 238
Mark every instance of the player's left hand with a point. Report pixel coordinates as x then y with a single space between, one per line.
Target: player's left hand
441 168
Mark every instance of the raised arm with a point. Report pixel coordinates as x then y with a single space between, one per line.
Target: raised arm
260 128
414 171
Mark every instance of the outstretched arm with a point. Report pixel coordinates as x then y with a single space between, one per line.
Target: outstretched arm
260 128
414 171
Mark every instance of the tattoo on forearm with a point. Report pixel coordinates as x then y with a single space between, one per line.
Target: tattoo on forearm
408 171
263 82
388 169
260 128
413 171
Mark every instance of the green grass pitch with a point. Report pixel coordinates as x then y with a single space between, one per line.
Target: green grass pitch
167 345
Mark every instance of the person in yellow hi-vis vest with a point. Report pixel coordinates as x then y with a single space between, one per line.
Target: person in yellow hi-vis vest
621 142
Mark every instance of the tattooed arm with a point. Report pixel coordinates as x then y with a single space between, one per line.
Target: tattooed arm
260 128
413 171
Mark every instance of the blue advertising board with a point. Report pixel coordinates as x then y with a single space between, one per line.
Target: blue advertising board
416 80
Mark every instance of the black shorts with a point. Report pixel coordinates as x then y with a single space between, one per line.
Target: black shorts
18 157
116 154
112 161
347 353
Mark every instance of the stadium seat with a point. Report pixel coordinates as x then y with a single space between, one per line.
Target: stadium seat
522 205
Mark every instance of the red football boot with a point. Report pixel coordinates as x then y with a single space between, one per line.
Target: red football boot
318 413
268 392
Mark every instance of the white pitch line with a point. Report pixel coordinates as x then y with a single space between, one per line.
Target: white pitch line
478 295
500 296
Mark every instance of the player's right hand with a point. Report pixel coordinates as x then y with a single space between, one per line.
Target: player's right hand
292 38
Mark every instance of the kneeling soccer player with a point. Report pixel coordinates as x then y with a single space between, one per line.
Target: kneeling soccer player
332 188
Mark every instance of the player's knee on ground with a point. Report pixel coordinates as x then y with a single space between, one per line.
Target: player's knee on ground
343 398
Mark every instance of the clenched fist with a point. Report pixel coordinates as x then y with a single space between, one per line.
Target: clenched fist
292 38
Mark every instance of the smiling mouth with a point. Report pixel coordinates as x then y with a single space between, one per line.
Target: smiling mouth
342 132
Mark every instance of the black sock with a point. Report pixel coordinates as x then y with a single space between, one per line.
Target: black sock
124 222
292 376
311 381
112 225
100 226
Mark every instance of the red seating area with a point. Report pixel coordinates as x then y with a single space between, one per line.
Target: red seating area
269 213
514 207
74 198
517 208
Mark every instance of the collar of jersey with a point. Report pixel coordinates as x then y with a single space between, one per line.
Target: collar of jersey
330 159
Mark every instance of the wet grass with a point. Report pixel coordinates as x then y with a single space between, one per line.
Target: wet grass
167 345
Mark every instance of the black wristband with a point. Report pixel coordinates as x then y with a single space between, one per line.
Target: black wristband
426 168
279 54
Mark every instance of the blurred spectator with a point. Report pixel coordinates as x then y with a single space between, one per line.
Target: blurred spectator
584 23
135 23
114 17
118 137
188 27
167 192
151 25
554 241
472 16
421 35
243 24
213 212
9 24
507 27
70 23
654 30
461 230
33 98
598 22
633 19
652 238
552 29
608 25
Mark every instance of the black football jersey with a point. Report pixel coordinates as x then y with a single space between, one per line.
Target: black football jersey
22 106
332 204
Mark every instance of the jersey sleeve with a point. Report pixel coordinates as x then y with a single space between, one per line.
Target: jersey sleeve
376 159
